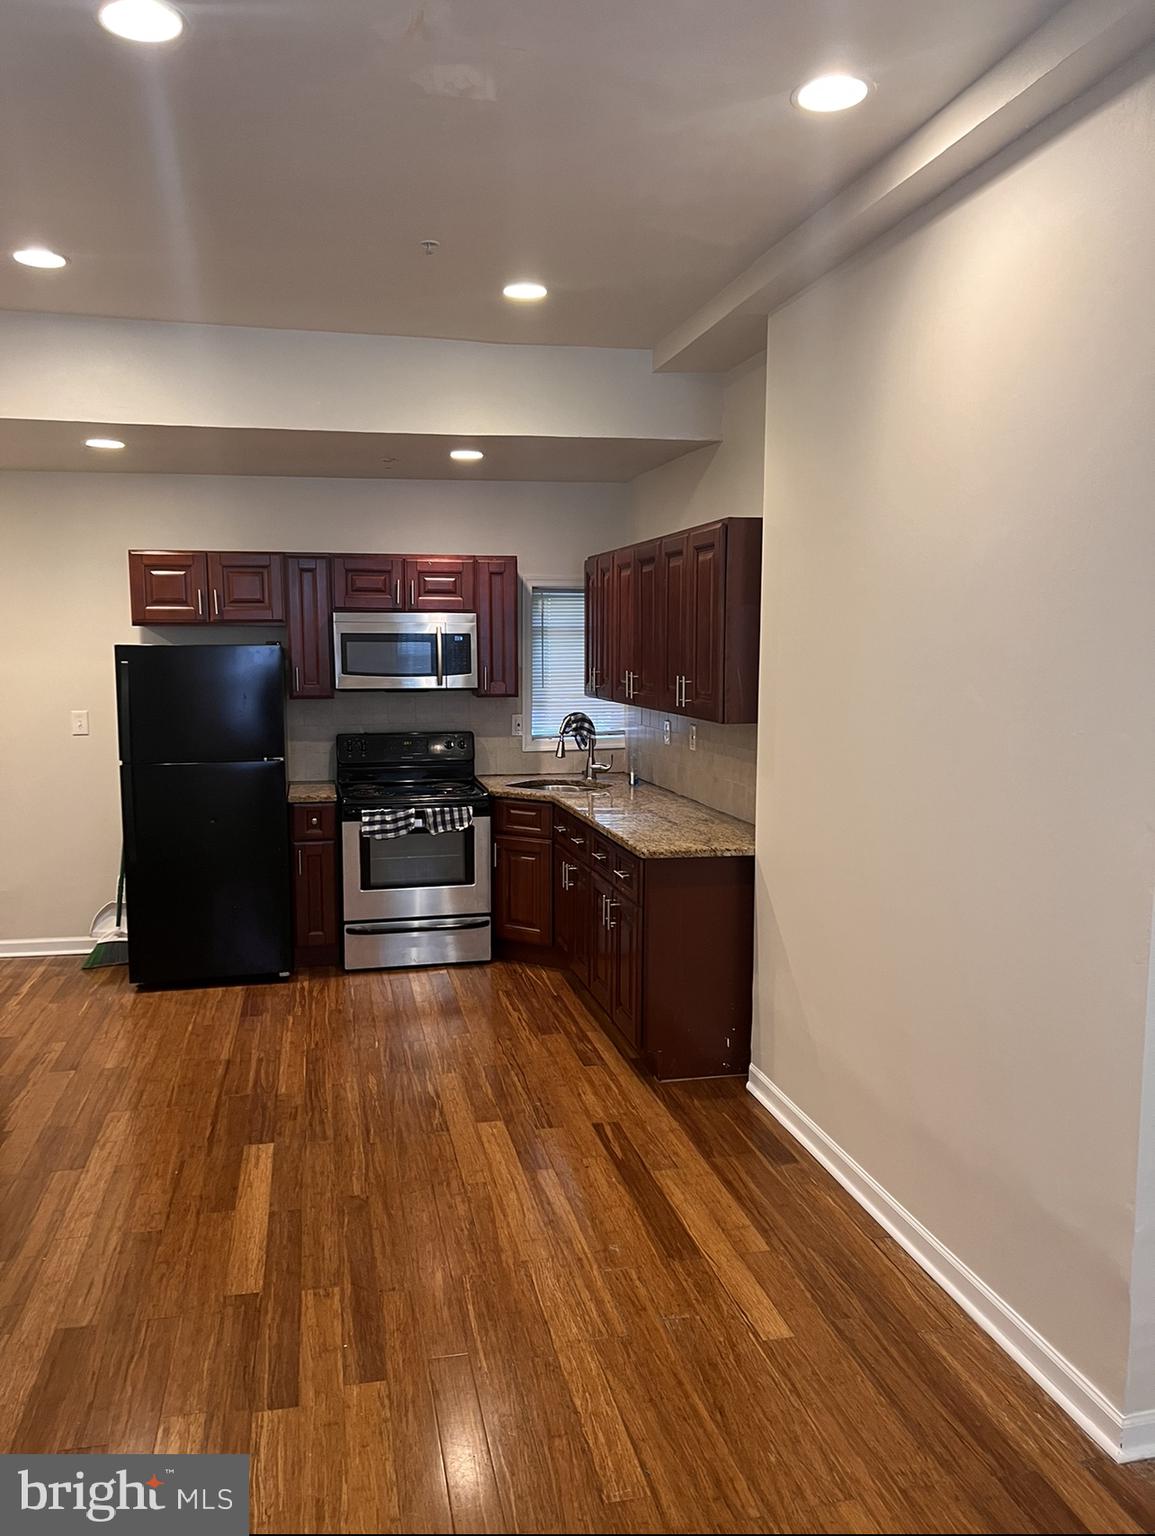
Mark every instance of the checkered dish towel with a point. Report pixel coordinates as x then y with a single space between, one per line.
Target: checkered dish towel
400 820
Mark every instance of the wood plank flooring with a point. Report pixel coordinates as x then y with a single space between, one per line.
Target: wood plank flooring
440 1259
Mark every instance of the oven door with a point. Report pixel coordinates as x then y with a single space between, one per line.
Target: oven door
422 874
405 650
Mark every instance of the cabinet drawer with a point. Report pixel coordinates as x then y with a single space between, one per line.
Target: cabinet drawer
622 869
525 818
313 823
571 835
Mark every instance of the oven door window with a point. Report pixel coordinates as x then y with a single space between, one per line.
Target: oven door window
417 860
390 655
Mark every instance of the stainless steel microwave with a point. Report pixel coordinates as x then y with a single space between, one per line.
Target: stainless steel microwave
405 650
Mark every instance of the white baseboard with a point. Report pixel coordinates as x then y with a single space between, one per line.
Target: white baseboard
11 949
1123 1437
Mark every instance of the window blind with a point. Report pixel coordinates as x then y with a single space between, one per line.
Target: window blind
557 672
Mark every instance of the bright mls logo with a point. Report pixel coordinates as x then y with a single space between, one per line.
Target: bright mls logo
186 1494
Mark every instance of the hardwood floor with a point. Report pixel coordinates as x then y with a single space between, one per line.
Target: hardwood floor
441 1260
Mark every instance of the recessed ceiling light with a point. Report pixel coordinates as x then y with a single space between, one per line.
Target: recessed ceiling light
103 442
466 455
831 93
39 256
141 21
525 293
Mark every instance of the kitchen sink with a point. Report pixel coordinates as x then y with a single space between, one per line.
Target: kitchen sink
570 786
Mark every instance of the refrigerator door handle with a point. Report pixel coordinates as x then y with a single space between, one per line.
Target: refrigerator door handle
273 759
122 698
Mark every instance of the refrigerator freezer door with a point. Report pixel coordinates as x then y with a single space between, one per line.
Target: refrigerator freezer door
200 703
207 871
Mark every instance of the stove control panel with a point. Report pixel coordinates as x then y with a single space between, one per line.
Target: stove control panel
367 749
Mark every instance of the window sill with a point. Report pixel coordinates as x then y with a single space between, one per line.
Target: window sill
549 744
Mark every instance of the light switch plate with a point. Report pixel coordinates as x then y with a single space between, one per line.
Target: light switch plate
80 722
665 733
515 725
693 738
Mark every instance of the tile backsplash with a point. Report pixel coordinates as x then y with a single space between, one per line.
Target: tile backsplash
719 773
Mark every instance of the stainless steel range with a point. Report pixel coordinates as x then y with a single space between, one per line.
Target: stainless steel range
423 897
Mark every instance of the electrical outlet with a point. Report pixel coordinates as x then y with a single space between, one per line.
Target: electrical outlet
80 722
665 733
515 725
693 738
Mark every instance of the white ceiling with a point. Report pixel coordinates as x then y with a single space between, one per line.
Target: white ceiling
151 449
278 165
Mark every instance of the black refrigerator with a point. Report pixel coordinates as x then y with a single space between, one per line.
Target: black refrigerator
202 788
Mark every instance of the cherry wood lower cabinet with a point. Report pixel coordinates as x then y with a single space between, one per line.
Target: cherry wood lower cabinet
316 907
663 947
523 872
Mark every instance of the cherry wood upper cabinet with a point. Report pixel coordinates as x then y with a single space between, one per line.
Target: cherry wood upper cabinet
247 588
168 586
372 582
496 592
683 612
310 611
439 583
599 638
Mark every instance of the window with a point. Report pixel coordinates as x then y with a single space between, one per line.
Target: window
557 670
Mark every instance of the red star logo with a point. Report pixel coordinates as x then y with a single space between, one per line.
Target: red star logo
154 1482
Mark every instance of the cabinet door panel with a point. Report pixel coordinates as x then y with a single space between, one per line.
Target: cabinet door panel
603 640
703 692
523 890
593 621
673 618
310 611
168 587
496 586
571 912
314 894
247 588
648 659
624 661
626 1010
368 582
601 945
439 584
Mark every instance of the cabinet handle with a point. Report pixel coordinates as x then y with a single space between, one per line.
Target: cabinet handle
605 911
413 594
485 678
200 603
622 874
216 603
578 842
300 862
601 857
296 679
685 696
397 593
495 855
610 907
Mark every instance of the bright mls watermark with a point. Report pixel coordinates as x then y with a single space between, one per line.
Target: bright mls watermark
191 1495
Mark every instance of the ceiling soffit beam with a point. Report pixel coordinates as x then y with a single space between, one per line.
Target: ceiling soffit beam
1076 48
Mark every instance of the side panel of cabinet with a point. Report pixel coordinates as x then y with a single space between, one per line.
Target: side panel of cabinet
314 896
593 621
523 890
310 611
368 582
439 584
247 588
673 616
703 693
168 587
497 632
603 659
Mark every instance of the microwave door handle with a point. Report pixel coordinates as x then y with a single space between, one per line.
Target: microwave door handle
440 660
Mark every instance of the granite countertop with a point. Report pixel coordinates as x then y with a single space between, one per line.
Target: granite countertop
651 822
312 792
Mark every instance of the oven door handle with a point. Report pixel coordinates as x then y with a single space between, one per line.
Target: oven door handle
418 925
440 660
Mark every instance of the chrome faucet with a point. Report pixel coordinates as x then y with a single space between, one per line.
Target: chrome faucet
585 734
